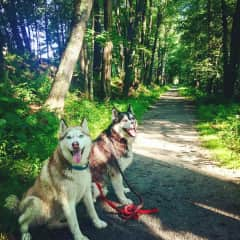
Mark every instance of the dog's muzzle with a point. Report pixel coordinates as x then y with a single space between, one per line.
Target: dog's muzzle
131 131
77 152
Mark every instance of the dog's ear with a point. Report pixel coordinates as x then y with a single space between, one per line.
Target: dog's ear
115 114
63 126
130 109
84 126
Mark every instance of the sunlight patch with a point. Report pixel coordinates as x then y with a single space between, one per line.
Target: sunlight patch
154 224
218 211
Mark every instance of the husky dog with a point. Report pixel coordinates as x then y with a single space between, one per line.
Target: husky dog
114 144
64 180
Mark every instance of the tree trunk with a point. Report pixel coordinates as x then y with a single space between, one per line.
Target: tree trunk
159 17
128 67
97 54
234 61
46 29
12 18
90 72
83 58
128 50
209 83
58 36
70 56
1 58
107 52
146 59
224 48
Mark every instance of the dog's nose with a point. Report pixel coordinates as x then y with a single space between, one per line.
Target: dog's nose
75 145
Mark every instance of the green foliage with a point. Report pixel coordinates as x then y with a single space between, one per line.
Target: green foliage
28 81
219 126
26 138
192 93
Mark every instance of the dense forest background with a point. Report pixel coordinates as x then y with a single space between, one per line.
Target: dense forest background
79 58
126 43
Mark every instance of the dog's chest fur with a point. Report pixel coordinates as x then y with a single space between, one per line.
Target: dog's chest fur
108 148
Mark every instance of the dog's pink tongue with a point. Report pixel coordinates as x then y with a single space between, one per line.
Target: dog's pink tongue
132 132
77 156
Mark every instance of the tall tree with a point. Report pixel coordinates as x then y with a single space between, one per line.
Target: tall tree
107 52
97 53
234 61
158 21
12 18
61 84
1 58
225 47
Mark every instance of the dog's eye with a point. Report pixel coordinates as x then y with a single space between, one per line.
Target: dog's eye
69 137
81 136
125 120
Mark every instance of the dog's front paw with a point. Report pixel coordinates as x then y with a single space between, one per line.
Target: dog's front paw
126 190
126 201
26 236
99 223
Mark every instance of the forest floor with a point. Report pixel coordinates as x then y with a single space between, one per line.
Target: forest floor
196 198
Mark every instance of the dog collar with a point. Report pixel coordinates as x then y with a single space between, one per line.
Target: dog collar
79 167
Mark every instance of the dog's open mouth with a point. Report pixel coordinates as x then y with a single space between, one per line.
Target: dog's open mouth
77 154
131 131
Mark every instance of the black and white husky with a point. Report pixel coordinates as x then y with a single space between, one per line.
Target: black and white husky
114 144
64 180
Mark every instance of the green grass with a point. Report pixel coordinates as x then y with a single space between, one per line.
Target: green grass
18 169
219 126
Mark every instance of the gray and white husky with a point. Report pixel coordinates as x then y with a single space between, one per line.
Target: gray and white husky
64 180
114 144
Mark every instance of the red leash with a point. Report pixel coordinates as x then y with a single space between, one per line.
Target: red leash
129 211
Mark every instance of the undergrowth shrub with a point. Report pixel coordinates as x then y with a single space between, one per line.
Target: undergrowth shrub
24 135
28 81
219 125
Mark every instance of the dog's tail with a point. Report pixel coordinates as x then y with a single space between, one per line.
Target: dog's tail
12 203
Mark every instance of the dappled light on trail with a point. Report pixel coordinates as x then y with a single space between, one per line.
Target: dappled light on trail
219 211
168 134
157 228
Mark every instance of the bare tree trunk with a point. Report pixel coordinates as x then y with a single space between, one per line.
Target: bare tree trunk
159 17
130 30
12 18
209 83
70 56
46 29
83 58
97 54
90 72
234 61
107 52
148 30
1 58
106 71
224 46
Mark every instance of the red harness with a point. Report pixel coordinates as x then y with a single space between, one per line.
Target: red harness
129 211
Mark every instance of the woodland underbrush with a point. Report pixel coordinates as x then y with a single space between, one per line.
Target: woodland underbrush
218 125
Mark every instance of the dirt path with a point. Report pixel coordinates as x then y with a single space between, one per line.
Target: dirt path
196 199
